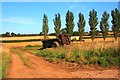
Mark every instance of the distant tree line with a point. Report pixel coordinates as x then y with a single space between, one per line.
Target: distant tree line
12 34
93 22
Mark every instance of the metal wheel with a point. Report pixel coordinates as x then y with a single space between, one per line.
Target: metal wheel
55 44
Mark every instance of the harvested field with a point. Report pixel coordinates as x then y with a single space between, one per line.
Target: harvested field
54 70
20 44
25 38
99 40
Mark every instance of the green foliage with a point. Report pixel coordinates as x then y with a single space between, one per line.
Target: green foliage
30 47
93 22
115 22
111 55
64 30
81 25
13 34
104 26
57 23
69 22
52 55
74 57
7 34
103 62
97 33
45 26
75 33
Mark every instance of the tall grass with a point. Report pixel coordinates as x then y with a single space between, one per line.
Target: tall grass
104 57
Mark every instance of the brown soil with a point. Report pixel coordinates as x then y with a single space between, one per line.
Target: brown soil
41 68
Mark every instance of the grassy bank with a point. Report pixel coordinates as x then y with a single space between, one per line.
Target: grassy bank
104 57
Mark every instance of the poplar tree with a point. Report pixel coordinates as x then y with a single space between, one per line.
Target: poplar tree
115 22
104 26
57 23
93 22
69 22
45 26
81 25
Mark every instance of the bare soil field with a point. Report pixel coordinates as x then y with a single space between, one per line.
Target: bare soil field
40 68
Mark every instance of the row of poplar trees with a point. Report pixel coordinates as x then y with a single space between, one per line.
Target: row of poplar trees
93 22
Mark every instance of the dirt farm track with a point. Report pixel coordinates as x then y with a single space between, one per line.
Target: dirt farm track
40 68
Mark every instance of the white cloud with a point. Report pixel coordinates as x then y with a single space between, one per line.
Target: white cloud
77 5
19 20
73 6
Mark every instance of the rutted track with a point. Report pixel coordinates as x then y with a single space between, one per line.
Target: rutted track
44 69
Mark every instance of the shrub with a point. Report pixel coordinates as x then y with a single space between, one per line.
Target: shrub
103 62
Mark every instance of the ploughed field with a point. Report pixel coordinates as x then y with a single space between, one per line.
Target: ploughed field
77 60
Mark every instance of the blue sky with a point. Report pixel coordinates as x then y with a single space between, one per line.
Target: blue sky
26 17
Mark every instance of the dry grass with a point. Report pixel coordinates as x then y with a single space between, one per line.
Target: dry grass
94 45
99 39
20 44
5 47
95 40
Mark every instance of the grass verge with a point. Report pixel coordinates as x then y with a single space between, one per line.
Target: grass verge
6 59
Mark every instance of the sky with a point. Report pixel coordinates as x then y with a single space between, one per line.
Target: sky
26 17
